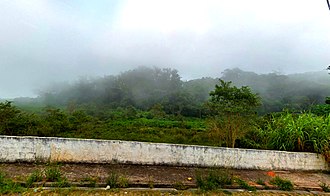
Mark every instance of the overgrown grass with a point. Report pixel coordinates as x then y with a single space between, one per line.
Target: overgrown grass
298 132
243 184
7 186
213 179
179 186
282 184
91 182
114 180
36 176
53 174
261 182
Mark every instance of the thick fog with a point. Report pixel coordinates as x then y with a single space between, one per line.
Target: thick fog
44 41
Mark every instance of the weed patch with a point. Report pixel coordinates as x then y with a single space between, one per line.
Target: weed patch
90 181
36 176
114 180
245 185
261 182
325 187
283 184
7 186
214 179
53 174
179 186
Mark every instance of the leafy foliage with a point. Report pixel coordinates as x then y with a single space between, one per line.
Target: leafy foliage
299 132
233 109
245 185
283 184
7 186
214 179
145 87
36 176
114 180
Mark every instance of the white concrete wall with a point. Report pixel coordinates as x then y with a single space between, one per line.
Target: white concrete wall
43 149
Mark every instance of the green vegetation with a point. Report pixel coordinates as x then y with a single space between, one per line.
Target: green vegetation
299 132
36 176
261 182
114 180
282 184
214 179
180 186
325 187
91 182
53 174
7 186
232 112
155 105
145 87
243 184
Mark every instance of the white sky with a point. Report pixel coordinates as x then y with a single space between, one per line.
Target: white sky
43 41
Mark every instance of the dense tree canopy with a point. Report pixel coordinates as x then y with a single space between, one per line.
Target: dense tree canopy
144 87
233 109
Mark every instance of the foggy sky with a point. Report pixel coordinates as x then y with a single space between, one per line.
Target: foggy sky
42 41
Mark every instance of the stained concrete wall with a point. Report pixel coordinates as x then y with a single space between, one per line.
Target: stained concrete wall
44 149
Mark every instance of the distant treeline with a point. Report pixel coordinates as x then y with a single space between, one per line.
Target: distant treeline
145 88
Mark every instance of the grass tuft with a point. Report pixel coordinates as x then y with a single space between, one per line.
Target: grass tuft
214 179
283 184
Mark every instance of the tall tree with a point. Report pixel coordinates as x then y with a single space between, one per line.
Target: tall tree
232 109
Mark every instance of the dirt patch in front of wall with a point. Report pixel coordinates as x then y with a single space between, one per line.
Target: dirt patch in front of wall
161 175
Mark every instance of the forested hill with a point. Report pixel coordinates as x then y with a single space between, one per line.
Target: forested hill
294 91
145 88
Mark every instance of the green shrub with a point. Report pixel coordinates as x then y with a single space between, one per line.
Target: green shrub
114 180
299 132
261 182
36 176
7 186
282 184
62 182
214 179
53 174
245 185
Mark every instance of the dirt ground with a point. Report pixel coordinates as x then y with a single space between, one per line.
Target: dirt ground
138 174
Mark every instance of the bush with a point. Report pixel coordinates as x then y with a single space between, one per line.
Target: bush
7 186
53 174
215 179
245 185
36 176
114 180
299 132
283 184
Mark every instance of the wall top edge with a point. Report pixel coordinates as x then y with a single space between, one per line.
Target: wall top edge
153 143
